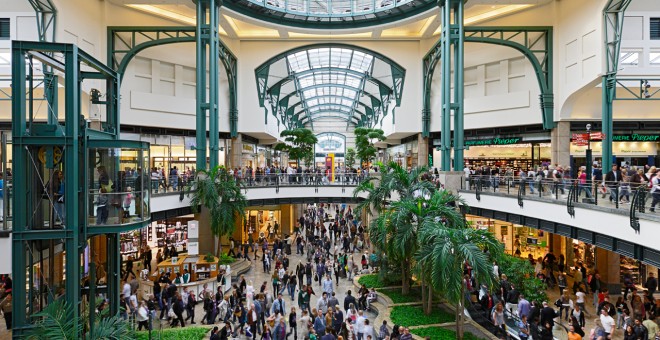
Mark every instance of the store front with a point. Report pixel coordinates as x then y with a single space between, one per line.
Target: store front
525 242
518 240
628 149
266 222
404 154
249 157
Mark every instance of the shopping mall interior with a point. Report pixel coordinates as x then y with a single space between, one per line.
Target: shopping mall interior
148 170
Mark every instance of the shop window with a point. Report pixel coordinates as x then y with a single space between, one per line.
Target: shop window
4 29
655 29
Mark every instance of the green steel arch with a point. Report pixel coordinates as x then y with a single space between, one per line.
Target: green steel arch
336 67
121 50
535 43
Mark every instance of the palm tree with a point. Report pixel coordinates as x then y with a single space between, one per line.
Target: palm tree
393 180
56 321
218 192
394 231
445 247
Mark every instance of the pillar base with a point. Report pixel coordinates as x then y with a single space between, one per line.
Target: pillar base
452 180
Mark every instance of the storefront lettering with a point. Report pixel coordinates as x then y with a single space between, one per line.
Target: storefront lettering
636 138
493 141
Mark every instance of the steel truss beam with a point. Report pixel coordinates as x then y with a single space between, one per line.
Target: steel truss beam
613 15
535 43
279 102
125 42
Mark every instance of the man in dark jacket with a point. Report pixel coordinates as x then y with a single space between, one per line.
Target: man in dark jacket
348 300
548 315
651 285
612 180
178 308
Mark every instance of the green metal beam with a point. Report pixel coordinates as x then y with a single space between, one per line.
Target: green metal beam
535 43
125 42
613 15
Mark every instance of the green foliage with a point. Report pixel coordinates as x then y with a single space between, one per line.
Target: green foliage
414 316
521 274
299 144
209 257
371 281
444 250
364 137
395 295
186 333
218 191
226 259
439 333
349 158
56 321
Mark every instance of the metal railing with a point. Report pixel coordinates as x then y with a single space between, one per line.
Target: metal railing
276 181
634 197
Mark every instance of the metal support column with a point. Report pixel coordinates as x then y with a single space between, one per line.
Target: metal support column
207 36
613 15
452 35
458 38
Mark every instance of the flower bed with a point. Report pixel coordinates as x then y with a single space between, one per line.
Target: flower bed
414 316
371 281
395 295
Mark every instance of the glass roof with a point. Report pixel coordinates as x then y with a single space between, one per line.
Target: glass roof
323 14
330 80
319 90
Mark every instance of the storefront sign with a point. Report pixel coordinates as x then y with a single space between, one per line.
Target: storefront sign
521 151
249 148
493 141
635 137
621 149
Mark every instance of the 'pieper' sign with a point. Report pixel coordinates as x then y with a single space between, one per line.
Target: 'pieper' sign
635 137
493 141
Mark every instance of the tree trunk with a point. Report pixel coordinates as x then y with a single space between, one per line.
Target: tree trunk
430 299
424 297
405 280
459 316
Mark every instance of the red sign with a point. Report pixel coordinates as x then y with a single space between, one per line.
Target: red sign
597 136
580 139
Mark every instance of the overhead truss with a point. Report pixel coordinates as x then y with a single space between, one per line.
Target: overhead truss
329 80
535 43
125 42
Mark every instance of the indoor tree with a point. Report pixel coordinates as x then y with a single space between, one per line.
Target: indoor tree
364 143
349 158
394 231
299 144
217 191
445 247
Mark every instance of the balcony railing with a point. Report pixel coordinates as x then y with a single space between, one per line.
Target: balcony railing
636 198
